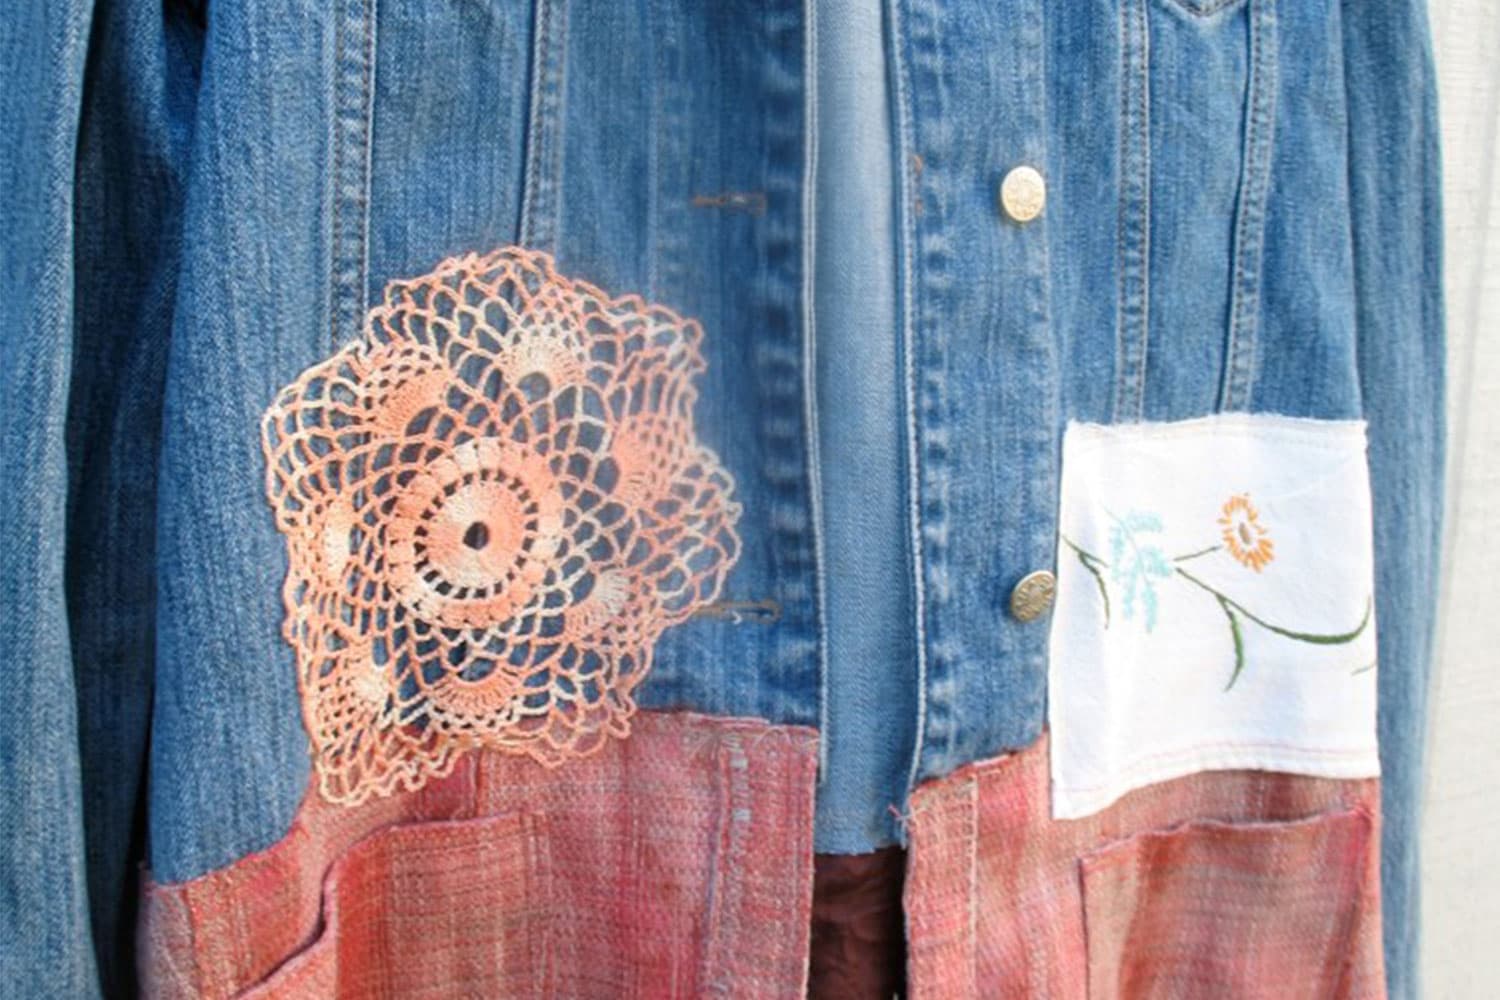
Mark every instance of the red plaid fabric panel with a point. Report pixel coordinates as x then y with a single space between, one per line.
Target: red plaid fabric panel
675 863
1237 884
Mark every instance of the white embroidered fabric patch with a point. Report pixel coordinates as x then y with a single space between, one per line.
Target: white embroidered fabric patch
1214 604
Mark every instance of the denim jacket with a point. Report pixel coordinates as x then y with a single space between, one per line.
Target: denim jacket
492 488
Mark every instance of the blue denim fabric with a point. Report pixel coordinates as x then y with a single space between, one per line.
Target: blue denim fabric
97 103
44 893
869 650
198 204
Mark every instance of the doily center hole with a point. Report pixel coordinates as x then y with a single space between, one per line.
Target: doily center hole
477 536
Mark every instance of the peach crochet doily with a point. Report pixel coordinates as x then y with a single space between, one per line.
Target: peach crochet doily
494 503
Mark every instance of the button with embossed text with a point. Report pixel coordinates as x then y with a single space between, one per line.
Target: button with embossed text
1032 596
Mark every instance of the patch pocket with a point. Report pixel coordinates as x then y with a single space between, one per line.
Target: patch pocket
1250 910
460 908
1215 604
678 862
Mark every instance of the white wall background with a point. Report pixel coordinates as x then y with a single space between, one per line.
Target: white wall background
1461 825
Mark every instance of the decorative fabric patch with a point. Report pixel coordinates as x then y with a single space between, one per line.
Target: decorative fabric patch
494 503
1215 604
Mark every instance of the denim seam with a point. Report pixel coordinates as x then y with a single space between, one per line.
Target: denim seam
809 365
667 221
906 234
1045 480
539 200
351 152
1250 221
1133 234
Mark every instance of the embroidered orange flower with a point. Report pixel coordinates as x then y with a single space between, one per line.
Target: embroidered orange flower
1245 537
494 504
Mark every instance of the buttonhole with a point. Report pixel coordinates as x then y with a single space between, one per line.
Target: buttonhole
762 612
753 202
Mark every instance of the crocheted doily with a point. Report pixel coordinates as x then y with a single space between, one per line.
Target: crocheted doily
494 503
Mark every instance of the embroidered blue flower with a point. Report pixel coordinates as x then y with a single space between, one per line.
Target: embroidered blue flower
1136 564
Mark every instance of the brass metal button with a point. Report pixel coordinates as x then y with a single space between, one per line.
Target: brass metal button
1023 193
1032 596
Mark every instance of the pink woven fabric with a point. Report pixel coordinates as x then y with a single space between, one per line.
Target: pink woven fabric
1237 884
677 862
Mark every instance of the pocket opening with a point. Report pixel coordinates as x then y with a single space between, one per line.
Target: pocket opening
459 908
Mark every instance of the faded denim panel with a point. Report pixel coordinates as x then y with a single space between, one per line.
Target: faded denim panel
986 375
403 132
255 300
450 102
683 149
1394 178
869 706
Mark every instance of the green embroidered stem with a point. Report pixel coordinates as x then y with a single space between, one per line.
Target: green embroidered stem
1335 639
1233 610
1089 560
1239 641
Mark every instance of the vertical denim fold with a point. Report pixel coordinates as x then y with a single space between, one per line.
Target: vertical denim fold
44 910
1396 228
136 121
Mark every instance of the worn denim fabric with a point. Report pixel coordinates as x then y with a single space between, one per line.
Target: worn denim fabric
869 647
97 101
201 202
44 894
